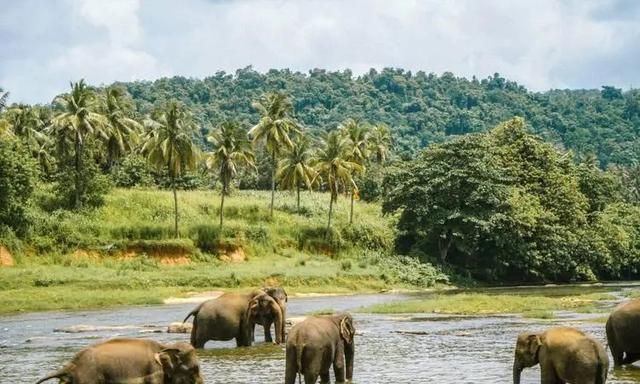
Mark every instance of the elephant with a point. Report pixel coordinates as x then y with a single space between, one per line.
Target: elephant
231 316
623 333
565 355
131 360
266 317
318 342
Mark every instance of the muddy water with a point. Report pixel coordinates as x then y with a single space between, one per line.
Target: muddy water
389 349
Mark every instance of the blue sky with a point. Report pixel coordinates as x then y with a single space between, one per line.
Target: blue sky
542 44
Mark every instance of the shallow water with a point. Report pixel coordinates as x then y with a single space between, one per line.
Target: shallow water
389 349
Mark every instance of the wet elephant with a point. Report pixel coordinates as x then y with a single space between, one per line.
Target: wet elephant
129 361
623 333
565 355
229 317
266 317
317 343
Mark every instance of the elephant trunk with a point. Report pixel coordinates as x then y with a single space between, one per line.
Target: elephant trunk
279 322
349 352
517 370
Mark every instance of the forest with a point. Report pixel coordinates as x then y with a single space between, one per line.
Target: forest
483 179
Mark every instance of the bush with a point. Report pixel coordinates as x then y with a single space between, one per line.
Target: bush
18 176
319 239
134 171
366 236
94 185
142 232
207 237
406 270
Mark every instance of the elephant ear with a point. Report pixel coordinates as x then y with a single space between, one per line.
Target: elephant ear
168 358
533 345
347 331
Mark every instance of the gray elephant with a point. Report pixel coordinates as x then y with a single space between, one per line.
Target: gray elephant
565 355
262 315
131 360
231 316
317 343
623 333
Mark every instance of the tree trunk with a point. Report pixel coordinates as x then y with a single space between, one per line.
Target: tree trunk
330 213
175 205
351 211
78 165
298 204
224 192
444 243
273 182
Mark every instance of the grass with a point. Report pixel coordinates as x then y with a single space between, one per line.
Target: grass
124 253
537 306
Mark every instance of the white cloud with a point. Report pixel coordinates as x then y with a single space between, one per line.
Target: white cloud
539 43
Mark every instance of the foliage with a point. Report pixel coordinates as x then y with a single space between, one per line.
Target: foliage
133 171
295 170
17 180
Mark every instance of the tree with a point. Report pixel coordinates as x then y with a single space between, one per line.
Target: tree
124 131
295 169
169 144
4 96
273 129
231 151
29 124
380 143
79 121
357 133
334 165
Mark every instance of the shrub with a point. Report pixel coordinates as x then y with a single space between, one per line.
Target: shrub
366 236
207 237
320 239
17 179
406 270
133 172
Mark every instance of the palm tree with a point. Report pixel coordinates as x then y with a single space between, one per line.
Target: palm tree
169 144
335 166
124 132
357 133
295 168
231 151
380 143
4 96
273 129
29 123
79 121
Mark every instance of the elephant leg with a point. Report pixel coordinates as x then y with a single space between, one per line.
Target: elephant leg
631 358
548 375
325 378
338 365
267 332
311 377
291 367
253 332
616 351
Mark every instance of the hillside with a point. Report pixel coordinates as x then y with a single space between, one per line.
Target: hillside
421 108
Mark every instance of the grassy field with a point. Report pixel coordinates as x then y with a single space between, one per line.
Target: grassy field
125 253
534 306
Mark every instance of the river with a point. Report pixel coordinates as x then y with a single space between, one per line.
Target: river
389 348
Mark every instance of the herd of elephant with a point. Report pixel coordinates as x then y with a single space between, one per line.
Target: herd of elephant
315 345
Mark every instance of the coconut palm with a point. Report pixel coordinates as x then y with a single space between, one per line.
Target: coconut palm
29 123
78 121
125 131
273 129
295 169
169 145
357 133
4 96
380 143
334 165
231 151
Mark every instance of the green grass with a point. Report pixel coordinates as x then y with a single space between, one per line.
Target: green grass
485 304
124 253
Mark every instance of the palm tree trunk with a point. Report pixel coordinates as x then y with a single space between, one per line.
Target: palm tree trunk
298 192
273 182
330 213
175 205
351 212
224 192
78 166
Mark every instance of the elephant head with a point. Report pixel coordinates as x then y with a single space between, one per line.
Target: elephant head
263 305
347 333
526 354
179 364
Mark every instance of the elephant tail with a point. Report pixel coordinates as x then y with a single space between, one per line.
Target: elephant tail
299 352
193 313
56 375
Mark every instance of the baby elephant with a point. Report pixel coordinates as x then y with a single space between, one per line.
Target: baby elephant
131 361
318 342
565 355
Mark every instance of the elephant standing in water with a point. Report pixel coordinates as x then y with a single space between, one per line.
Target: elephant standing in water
131 361
231 316
263 315
565 355
623 333
318 342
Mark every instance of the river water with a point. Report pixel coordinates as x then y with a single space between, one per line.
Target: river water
389 348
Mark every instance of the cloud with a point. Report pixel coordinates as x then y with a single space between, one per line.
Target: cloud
540 43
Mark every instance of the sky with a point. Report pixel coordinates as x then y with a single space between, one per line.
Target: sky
542 44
